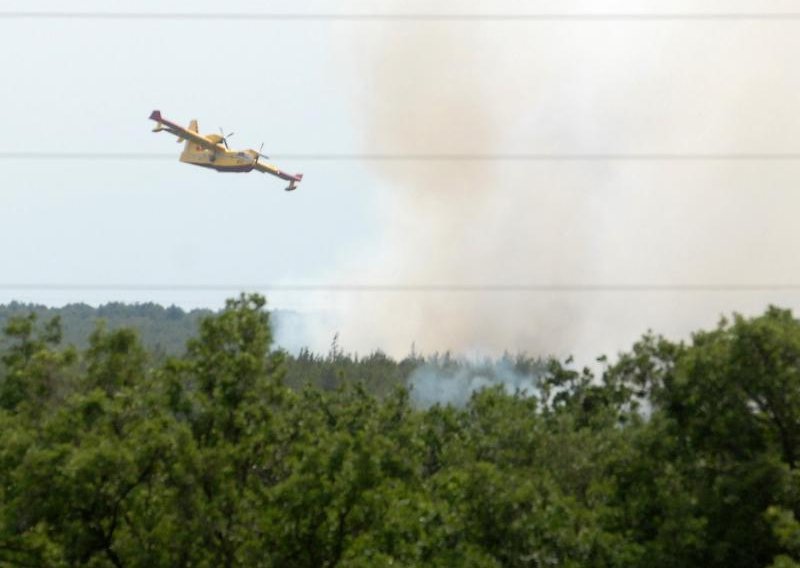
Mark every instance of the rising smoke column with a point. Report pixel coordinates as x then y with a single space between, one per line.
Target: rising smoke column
451 222
498 88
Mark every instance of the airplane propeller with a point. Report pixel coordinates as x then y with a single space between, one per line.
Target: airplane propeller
260 154
225 138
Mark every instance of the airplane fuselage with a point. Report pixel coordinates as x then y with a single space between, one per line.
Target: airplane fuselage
221 160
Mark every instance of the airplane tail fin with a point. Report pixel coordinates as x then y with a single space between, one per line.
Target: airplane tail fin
192 128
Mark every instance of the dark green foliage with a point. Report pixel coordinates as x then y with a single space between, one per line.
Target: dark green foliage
379 374
676 455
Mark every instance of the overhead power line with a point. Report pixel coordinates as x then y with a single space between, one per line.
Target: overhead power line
432 157
409 17
405 288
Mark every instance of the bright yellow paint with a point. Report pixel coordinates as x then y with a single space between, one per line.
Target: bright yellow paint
211 151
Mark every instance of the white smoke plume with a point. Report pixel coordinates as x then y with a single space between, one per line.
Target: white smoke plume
573 88
436 382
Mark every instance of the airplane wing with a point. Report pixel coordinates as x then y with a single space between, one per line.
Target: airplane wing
273 170
181 132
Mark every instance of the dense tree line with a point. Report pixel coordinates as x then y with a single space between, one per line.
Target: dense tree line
673 455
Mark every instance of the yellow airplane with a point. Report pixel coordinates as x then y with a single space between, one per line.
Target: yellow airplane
211 151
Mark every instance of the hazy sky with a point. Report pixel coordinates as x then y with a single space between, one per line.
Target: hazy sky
411 87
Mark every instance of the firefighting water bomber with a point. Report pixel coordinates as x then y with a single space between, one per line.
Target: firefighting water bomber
212 151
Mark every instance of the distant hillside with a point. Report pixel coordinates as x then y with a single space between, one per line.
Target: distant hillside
162 330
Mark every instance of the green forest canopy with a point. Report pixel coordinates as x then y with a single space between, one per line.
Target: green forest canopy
675 454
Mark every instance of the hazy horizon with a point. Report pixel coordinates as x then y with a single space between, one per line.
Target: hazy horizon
562 87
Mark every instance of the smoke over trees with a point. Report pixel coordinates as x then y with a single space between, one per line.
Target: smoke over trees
477 90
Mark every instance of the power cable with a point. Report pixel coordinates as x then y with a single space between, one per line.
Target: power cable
436 157
410 17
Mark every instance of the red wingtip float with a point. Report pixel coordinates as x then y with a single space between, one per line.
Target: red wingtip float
212 151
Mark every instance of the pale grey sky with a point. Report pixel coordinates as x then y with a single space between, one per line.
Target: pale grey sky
411 87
